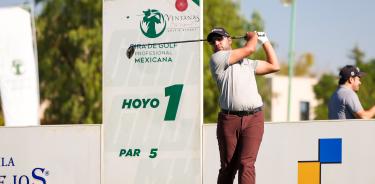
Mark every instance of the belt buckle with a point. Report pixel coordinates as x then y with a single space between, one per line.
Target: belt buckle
249 112
245 113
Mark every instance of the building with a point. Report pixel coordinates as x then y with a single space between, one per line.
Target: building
303 101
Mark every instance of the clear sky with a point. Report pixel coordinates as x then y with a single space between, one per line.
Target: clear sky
327 28
13 2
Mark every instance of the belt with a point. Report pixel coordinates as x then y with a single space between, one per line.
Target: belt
242 113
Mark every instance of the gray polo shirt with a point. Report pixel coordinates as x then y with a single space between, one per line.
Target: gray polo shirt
344 103
236 82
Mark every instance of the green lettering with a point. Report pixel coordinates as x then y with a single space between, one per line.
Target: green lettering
174 93
129 153
145 102
137 152
126 104
137 103
122 152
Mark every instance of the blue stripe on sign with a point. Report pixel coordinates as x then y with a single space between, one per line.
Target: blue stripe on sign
330 150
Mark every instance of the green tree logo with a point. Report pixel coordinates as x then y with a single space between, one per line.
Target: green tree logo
153 23
17 67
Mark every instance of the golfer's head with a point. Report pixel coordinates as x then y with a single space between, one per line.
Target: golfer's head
220 39
351 75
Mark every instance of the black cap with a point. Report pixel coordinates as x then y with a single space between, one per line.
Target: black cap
350 71
218 31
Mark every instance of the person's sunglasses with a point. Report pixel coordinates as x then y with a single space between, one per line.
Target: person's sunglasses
220 38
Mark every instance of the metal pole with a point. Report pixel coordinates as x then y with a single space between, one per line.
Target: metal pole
291 55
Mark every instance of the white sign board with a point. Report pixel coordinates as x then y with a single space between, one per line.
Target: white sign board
344 151
152 111
50 154
18 70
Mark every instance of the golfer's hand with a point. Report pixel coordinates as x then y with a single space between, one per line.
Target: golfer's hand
262 37
250 35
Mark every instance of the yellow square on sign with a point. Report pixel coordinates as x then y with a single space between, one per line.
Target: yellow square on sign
308 172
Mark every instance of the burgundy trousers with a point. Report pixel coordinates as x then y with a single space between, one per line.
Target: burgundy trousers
239 139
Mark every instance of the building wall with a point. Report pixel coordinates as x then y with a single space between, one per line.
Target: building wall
302 90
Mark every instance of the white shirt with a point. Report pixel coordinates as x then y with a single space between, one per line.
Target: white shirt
236 82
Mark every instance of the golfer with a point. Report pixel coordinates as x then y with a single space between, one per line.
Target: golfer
344 103
241 120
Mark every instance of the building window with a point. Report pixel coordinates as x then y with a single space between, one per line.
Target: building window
304 110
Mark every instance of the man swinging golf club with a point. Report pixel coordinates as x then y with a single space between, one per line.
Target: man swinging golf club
240 123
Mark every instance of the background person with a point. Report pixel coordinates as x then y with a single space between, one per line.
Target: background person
344 103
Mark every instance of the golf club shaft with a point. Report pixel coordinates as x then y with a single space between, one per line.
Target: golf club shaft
185 41
130 51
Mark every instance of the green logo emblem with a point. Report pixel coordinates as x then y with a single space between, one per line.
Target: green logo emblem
18 68
153 23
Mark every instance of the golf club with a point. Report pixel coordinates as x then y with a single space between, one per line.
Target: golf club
130 51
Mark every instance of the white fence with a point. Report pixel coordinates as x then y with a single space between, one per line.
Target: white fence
50 154
285 144
72 154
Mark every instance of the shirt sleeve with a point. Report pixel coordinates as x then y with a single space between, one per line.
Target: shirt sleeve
252 64
353 103
219 62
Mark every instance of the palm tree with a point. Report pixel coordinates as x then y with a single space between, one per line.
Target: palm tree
151 18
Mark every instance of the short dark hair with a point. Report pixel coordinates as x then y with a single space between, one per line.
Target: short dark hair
342 81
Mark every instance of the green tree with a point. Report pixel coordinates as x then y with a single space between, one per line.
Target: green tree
69 41
323 90
357 55
366 92
1 116
329 82
225 14
302 67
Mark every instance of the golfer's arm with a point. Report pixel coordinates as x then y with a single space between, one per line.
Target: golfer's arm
366 114
243 52
272 63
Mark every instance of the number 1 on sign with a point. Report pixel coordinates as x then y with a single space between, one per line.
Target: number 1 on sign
174 93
